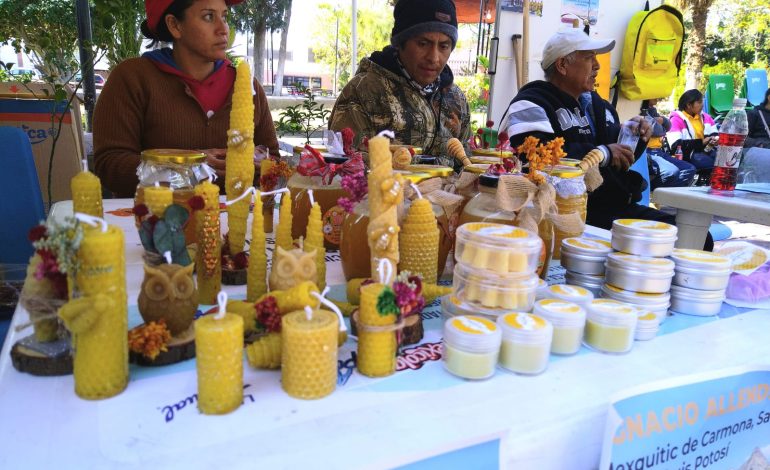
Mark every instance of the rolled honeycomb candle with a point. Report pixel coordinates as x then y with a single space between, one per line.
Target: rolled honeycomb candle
87 193
314 240
158 198
309 353
256 284
207 259
283 232
418 241
376 349
219 361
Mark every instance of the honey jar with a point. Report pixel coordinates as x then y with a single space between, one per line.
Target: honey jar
571 198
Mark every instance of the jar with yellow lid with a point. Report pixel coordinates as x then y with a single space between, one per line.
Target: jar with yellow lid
490 156
571 198
483 208
177 169
354 246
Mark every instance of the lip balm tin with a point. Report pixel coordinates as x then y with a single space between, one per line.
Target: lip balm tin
610 326
647 325
568 293
704 303
585 255
471 346
656 303
589 281
483 288
643 237
526 343
639 273
503 249
701 270
568 320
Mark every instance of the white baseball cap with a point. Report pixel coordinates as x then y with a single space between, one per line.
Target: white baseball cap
570 40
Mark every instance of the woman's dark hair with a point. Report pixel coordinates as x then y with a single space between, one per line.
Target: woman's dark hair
689 97
767 97
178 9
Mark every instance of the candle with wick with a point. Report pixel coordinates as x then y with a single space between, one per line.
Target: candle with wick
418 240
385 193
283 232
87 193
377 317
314 239
219 360
208 260
157 198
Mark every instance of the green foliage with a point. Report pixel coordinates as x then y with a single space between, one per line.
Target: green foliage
725 67
304 118
267 13
476 90
374 25
116 28
167 234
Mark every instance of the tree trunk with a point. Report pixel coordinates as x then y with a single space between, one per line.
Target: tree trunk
278 82
695 43
258 54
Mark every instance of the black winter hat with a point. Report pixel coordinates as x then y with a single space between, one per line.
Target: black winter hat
413 17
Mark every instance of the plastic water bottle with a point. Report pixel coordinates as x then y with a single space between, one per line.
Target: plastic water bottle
732 135
678 154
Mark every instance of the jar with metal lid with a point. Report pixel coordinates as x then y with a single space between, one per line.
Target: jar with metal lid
656 303
490 290
483 208
703 303
354 245
647 325
585 255
610 326
177 169
471 346
571 198
591 282
643 237
526 343
701 270
568 320
639 273
569 293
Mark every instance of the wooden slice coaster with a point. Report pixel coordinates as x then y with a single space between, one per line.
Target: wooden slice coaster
233 277
42 359
180 348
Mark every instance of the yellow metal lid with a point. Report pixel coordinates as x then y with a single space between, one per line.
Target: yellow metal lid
300 148
565 171
569 162
432 170
486 159
477 168
173 156
415 177
492 153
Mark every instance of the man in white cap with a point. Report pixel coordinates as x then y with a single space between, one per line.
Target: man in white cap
566 105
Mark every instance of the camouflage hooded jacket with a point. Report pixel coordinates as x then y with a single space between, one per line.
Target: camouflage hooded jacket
379 97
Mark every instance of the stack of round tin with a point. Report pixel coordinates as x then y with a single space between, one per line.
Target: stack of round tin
700 280
584 259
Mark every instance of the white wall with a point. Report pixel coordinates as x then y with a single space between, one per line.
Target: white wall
612 22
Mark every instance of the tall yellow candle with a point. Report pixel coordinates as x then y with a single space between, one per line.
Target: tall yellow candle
256 275
309 353
385 192
376 349
283 232
87 193
314 240
158 198
98 318
219 360
239 162
207 259
418 241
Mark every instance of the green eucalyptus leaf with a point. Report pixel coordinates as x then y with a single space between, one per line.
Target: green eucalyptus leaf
163 237
175 216
145 235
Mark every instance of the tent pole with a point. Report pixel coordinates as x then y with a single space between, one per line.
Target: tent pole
525 44
478 35
498 9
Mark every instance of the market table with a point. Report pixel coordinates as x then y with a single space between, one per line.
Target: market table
551 421
696 206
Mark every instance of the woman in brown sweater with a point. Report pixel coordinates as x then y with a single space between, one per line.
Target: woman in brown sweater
173 98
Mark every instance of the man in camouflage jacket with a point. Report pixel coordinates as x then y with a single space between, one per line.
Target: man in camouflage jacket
407 87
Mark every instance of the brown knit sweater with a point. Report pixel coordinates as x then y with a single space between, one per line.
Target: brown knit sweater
143 108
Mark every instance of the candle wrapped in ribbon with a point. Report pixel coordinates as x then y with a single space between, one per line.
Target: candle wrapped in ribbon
311 163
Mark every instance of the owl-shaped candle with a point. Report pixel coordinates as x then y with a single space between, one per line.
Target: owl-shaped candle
376 337
157 198
239 169
309 353
86 193
256 284
314 241
98 316
418 241
219 360
168 293
385 193
207 258
283 232
291 267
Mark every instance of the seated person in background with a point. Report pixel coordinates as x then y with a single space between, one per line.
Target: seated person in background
177 97
565 105
759 129
407 87
667 171
694 130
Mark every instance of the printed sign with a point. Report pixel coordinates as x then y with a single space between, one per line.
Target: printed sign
717 421
517 6
581 9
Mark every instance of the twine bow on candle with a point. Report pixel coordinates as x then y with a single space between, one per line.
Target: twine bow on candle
311 163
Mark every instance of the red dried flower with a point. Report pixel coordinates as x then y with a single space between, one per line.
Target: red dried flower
196 203
140 210
268 314
36 233
490 123
347 141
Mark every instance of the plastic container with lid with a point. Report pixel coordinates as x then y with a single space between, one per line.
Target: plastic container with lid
585 255
701 270
639 273
451 307
647 325
542 287
591 282
704 303
643 237
610 326
496 247
490 290
526 343
656 303
471 346
569 293
571 198
568 320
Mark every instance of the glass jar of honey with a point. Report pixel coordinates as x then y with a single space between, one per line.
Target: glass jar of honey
571 197
483 208
177 169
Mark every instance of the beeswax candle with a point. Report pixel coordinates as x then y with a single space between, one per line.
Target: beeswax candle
376 349
219 360
385 193
418 241
86 193
283 232
157 198
257 272
309 353
314 240
207 259
239 169
98 319
295 298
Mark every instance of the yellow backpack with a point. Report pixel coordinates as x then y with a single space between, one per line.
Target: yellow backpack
652 53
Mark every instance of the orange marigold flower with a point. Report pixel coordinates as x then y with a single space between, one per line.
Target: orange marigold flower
150 339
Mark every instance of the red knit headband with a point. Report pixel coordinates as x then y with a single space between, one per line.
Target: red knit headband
156 8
